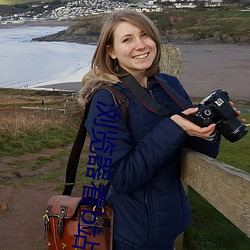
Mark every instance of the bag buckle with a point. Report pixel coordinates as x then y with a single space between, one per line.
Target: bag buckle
46 220
59 224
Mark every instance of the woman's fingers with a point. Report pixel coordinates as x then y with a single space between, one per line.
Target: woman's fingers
190 111
191 128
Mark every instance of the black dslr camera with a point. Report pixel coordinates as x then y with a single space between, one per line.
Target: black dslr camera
216 109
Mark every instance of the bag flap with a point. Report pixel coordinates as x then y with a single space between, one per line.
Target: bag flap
66 202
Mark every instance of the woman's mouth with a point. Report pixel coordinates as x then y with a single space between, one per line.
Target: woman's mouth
141 56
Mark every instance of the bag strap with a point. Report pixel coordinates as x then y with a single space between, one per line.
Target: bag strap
76 150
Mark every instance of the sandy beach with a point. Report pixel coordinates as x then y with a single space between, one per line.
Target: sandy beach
206 68
209 67
48 23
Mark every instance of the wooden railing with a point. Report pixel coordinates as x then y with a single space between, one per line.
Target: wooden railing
223 186
66 109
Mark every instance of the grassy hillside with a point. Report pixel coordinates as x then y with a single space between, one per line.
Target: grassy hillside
216 26
197 25
44 126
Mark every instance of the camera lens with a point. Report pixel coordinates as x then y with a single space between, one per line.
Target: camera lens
233 130
238 133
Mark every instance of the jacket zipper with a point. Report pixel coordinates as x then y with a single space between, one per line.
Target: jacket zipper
151 93
149 213
145 197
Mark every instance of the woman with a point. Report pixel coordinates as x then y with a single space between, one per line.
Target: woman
150 205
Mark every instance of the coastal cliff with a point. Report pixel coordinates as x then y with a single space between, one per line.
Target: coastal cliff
179 28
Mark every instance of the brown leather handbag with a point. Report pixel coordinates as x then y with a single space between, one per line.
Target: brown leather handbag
72 225
71 222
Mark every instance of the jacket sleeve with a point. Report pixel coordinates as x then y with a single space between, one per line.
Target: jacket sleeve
132 165
207 147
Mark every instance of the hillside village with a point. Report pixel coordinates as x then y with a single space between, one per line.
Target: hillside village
61 11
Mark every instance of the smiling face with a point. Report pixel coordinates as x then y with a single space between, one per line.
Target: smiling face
132 48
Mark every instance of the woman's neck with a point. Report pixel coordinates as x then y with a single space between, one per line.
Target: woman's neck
138 75
143 80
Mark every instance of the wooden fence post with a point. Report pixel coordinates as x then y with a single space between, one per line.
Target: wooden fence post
171 60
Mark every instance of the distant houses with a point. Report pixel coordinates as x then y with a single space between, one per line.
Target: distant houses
73 9
213 3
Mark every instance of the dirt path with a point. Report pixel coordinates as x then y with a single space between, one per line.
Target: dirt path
21 225
25 194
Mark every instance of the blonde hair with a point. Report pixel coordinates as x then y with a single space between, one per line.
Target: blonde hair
103 62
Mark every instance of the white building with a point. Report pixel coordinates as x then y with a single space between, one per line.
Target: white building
184 5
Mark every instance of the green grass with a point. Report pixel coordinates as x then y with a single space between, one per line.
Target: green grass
237 154
36 141
81 178
29 92
221 13
229 24
51 176
29 131
210 230
39 162
207 28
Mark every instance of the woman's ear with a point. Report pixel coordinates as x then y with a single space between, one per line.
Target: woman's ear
110 52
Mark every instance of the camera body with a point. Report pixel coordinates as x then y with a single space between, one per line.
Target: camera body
216 108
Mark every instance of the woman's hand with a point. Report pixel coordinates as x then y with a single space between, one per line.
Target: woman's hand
190 128
238 113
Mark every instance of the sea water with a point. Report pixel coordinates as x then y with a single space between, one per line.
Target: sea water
25 63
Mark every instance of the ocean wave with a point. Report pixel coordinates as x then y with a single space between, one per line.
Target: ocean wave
26 63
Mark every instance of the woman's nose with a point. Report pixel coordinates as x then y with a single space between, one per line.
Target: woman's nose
139 44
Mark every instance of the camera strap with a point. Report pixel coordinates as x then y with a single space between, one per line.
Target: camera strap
144 97
180 100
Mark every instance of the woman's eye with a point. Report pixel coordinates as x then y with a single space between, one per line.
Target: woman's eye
127 40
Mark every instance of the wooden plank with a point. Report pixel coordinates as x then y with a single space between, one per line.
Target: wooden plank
178 244
46 108
223 186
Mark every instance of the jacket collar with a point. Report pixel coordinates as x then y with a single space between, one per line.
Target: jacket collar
94 79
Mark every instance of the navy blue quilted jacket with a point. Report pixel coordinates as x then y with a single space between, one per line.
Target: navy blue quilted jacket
150 205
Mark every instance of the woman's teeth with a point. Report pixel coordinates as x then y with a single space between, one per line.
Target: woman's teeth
141 56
